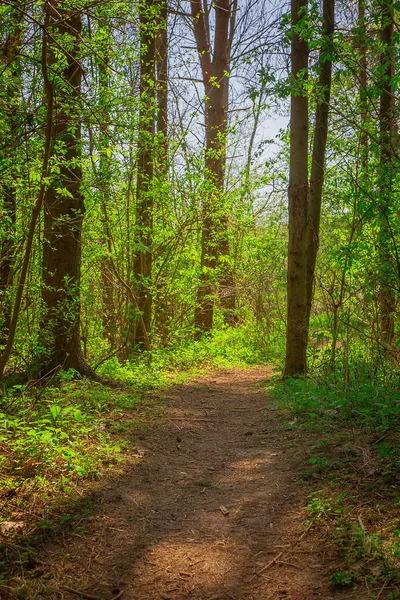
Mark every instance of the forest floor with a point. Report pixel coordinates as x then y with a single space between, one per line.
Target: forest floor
211 508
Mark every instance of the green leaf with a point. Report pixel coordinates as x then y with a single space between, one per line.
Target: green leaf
55 411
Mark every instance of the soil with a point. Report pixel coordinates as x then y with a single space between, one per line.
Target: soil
212 509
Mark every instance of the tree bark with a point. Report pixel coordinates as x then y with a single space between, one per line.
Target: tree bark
144 182
12 80
319 147
296 331
214 235
64 204
387 300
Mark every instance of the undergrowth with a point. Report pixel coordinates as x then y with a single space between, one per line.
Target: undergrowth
225 348
367 541
347 423
358 398
53 438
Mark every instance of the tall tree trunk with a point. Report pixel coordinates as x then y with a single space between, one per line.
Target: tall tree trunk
161 166
36 209
105 175
363 79
161 51
8 192
296 330
387 300
64 205
214 237
145 172
319 147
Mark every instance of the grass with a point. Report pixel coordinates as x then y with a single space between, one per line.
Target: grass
225 348
365 401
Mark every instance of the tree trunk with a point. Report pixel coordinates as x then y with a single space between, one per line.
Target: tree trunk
215 267
12 83
296 331
319 146
387 300
105 176
161 166
362 41
162 92
36 209
145 172
64 205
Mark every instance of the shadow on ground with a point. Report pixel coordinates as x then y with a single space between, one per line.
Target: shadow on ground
211 510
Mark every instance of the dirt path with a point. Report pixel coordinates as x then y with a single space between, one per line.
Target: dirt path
211 510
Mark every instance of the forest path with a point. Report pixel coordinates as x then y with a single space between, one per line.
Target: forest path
212 509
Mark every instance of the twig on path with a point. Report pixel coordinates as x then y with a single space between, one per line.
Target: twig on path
90 596
382 588
304 532
79 593
194 419
289 564
267 566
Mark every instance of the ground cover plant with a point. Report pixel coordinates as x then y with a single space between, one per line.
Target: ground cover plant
57 436
53 440
349 432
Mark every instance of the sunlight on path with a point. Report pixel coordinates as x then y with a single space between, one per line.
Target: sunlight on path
211 510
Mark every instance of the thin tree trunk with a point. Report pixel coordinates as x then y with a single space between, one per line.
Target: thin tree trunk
361 173
12 78
226 276
105 174
145 172
296 331
161 166
363 79
319 147
162 92
387 300
49 94
64 205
